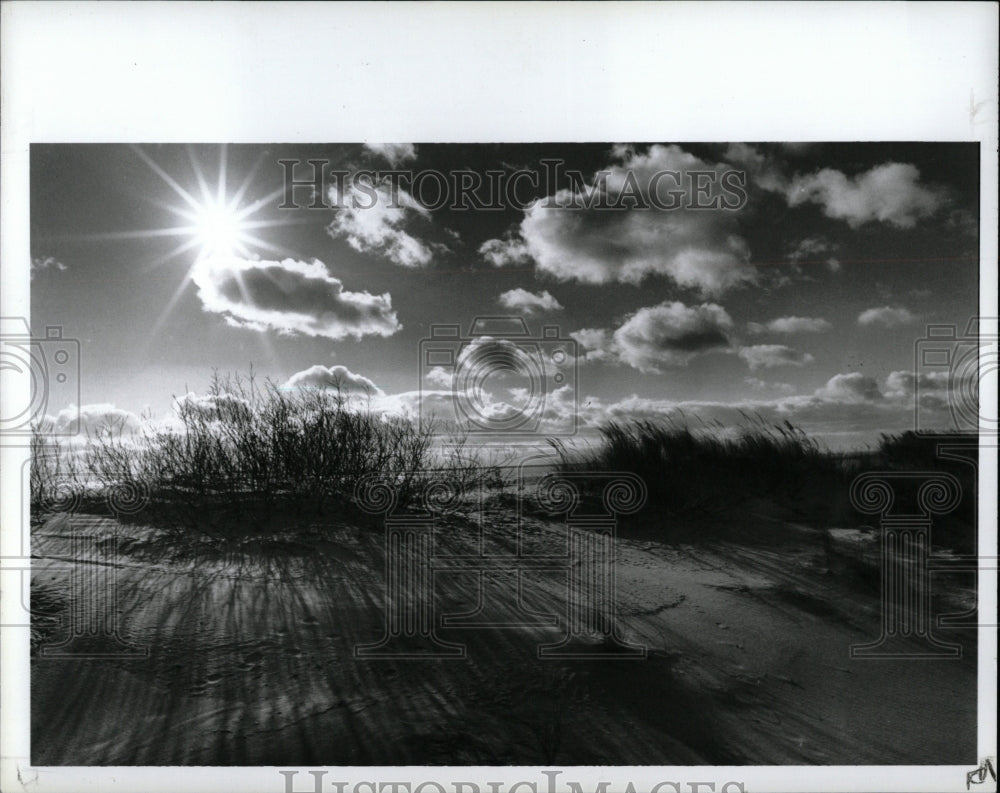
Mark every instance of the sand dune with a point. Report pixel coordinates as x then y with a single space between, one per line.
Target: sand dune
246 657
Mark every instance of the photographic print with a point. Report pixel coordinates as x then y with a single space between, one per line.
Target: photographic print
498 398
504 454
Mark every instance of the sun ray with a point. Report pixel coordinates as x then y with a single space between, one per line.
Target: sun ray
223 162
182 247
169 308
111 236
171 182
199 174
269 246
257 205
215 225
241 191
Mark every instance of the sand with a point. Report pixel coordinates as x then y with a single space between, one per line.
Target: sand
243 654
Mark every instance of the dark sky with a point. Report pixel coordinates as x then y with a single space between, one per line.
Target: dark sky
805 302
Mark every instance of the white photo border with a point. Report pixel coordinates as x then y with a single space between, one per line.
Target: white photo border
305 72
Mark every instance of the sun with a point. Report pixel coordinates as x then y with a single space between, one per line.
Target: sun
214 222
219 230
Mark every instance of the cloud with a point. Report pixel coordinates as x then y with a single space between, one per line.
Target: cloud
551 412
96 419
594 342
529 302
374 223
791 325
666 335
850 388
756 384
506 252
41 263
440 377
336 378
395 153
766 171
934 390
848 404
698 249
889 316
889 193
767 356
813 249
291 297
810 248
211 407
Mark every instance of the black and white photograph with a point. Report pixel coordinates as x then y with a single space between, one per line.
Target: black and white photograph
535 453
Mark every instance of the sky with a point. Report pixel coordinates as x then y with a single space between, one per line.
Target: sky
710 281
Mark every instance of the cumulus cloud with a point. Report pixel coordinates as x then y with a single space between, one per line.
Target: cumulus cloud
505 252
890 193
42 263
395 153
594 342
376 222
790 325
847 404
335 378
577 241
904 383
934 390
211 407
554 412
291 297
767 356
666 335
767 173
851 388
494 380
92 420
440 377
529 302
850 404
888 316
